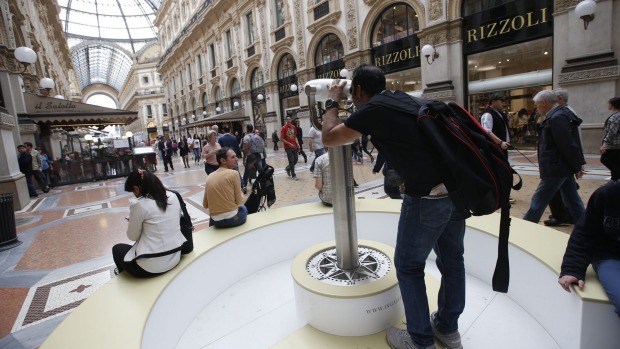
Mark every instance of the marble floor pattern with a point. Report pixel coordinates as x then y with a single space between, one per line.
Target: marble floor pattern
67 235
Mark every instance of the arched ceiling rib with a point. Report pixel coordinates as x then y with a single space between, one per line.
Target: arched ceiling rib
101 63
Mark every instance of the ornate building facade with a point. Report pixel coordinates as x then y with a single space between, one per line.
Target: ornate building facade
143 92
245 62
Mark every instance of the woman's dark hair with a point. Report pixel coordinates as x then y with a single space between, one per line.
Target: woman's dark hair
615 102
370 78
522 111
150 186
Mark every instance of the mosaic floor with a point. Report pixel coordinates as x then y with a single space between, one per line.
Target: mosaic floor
67 235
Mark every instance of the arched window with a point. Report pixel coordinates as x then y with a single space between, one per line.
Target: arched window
235 89
257 79
329 49
287 66
205 101
396 22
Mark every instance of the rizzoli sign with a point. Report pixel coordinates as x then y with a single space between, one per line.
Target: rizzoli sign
397 55
508 24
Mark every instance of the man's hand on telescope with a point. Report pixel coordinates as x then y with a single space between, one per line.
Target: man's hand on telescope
336 90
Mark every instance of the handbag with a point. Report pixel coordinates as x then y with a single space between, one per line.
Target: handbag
187 228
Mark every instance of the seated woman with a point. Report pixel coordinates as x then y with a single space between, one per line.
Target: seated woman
154 225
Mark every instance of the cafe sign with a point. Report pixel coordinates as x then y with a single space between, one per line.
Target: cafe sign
508 24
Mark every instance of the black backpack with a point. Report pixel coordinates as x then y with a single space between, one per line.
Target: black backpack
482 177
263 191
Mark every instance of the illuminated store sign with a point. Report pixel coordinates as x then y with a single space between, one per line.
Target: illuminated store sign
508 24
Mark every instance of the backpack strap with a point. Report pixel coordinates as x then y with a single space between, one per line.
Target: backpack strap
188 246
158 254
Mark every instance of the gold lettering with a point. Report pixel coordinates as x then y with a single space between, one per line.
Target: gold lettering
396 57
505 28
529 20
471 35
520 26
401 55
543 11
482 33
491 33
389 60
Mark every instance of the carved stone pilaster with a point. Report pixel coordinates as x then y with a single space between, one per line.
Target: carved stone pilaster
300 35
263 24
351 24
442 90
564 5
602 66
7 121
435 10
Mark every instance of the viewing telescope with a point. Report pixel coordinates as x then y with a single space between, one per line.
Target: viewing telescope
320 87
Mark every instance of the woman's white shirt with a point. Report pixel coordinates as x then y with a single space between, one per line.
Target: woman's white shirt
155 231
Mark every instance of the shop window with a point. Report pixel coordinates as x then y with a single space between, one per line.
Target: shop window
396 22
329 49
287 66
149 111
279 8
257 79
249 21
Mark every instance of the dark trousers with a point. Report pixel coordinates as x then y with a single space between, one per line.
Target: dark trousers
168 161
291 154
31 190
251 161
611 160
37 176
118 254
559 210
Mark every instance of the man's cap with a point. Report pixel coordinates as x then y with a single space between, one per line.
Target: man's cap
497 97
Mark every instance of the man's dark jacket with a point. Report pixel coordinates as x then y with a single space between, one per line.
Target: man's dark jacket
559 149
597 233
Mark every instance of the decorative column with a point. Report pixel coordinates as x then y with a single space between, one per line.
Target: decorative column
11 179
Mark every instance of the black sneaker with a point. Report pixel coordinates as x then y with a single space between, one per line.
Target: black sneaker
288 171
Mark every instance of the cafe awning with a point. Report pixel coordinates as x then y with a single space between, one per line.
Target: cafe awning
235 115
65 113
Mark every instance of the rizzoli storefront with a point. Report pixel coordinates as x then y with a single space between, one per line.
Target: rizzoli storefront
508 49
395 48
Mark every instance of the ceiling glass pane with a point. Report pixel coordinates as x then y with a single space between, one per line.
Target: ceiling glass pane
102 35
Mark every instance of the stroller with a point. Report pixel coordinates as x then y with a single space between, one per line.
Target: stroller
263 191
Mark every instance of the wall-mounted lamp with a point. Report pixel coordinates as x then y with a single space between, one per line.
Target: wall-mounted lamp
204 113
193 117
236 105
344 73
47 84
218 109
88 138
129 134
429 52
24 55
260 97
585 10
184 120
294 87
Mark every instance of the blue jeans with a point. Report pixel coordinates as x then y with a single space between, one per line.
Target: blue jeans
237 220
427 224
252 159
544 193
317 153
608 271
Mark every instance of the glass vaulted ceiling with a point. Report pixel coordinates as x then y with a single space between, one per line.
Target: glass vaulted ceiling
103 34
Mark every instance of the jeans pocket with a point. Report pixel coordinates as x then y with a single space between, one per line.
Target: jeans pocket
435 213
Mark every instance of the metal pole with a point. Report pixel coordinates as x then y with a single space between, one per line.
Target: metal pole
343 200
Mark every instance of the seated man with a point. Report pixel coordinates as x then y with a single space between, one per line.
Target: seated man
322 181
596 239
223 195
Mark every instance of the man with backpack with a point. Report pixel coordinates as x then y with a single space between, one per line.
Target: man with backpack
253 147
429 219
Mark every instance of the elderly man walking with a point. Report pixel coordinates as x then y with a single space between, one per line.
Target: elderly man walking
560 158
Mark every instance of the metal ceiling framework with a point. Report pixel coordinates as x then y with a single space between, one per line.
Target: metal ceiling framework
104 34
